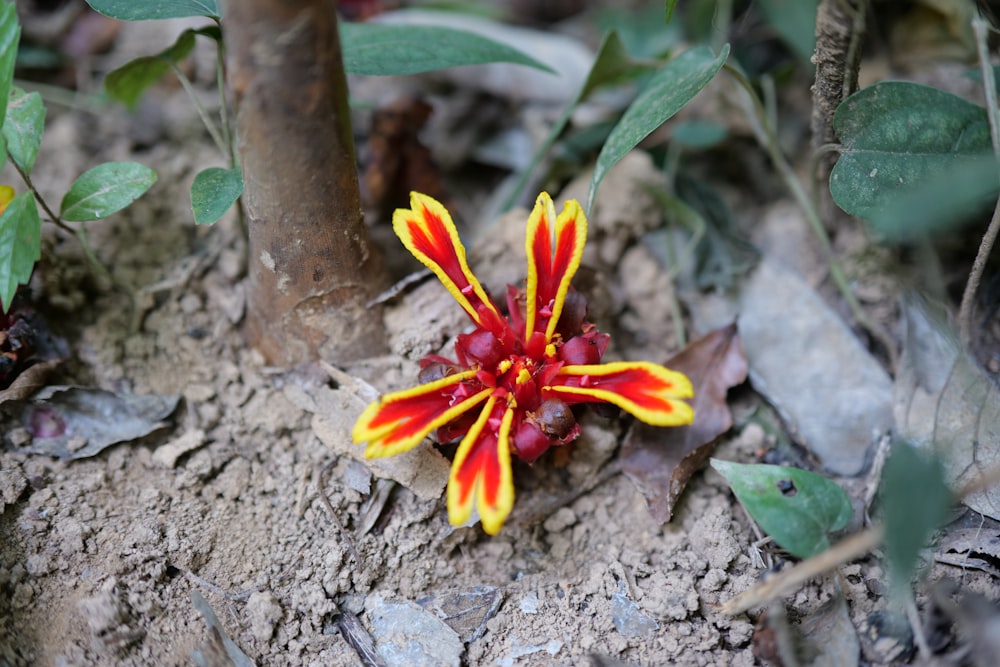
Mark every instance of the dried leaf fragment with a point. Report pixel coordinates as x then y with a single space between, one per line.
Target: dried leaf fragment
659 461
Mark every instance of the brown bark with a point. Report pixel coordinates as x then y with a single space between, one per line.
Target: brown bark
311 267
840 28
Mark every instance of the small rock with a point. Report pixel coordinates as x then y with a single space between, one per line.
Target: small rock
530 604
264 612
103 612
12 485
234 479
628 619
563 518
167 455
406 635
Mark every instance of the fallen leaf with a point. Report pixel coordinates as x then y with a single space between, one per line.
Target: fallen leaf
219 650
825 636
466 611
397 162
944 403
659 461
797 508
29 381
78 422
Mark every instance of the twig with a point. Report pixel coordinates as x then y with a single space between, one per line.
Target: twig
913 617
213 131
844 551
320 475
80 233
766 136
791 579
967 308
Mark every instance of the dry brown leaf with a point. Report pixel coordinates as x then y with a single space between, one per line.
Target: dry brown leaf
659 461
397 162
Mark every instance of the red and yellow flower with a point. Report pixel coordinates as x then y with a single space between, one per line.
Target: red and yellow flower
511 389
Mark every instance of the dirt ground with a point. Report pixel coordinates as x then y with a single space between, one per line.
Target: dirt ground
253 497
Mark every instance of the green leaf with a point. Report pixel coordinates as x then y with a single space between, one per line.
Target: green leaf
381 49
23 128
669 90
149 10
105 189
914 159
127 83
611 65
795 22
797 508
214 190
671 5
10 35
915 502
20 245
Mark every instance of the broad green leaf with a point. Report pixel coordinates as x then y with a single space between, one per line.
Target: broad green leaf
23 128
795 21
381 49
914 158
915 502
20 245
10 35
797 508
669 90
105 189
612 65
148 10
127 83
215 190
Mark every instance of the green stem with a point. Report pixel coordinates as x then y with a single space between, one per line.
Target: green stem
213 131
768 139
675 307
227 130
967 308
79 232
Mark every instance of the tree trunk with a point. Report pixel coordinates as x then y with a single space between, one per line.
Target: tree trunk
311 267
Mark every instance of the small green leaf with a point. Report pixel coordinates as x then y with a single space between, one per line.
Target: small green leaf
381 49
10 35
797 508
612 65
914 158
105 189
669 90
23 128
149 10
127 83
214 190
20 245
915 502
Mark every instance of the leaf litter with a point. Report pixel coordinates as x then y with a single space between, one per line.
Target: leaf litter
241 511
660 461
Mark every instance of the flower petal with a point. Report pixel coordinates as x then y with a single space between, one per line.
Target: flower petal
649 391
427 231
399 421
551 267
481 474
